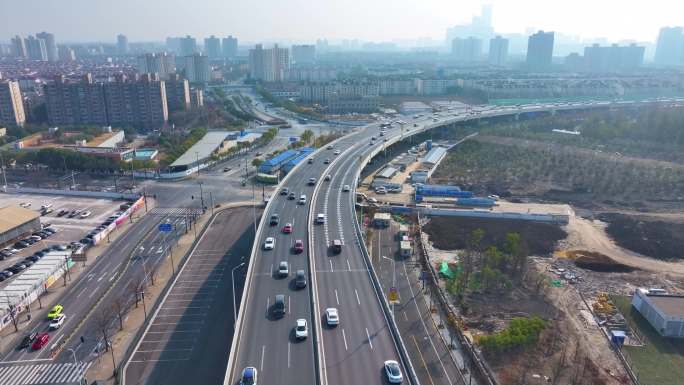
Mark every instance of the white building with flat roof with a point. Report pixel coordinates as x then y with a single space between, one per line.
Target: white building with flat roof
665 312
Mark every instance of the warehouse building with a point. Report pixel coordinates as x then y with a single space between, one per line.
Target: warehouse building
663 311
16 222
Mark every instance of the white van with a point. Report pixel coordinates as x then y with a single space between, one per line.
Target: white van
302 199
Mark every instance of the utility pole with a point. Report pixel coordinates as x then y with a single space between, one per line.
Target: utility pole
211 199
201 196
132 176
4 173
198 165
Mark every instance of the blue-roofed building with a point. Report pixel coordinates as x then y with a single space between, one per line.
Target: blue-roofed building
277 162
303 154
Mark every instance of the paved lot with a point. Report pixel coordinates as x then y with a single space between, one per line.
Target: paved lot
68 229
189 338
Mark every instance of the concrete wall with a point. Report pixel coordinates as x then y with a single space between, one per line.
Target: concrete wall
87 194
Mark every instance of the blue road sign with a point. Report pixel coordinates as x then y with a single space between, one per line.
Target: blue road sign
165 227
294 139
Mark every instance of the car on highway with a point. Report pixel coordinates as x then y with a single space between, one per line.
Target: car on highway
346 188
336 246
284 191
301 329
275 219
328 178
27 341
393 372
330 147
300 279
283 269
320 218
226 169
312 181
327 161
291 196
332 317
55 312
57 322
310 160
287 229
298 246
84 214
249 376
269 244
302 199
40 341
278 309
337 152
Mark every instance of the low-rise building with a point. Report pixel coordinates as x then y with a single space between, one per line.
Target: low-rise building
16 222
381 219
665 312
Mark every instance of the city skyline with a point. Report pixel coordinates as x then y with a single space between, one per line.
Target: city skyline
376 22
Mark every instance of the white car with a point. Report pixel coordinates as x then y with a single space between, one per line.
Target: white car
85 214
25 204
393 372
346 188
332 317
301 329
320 218
46 206
283 269
57 322
269 244
337 152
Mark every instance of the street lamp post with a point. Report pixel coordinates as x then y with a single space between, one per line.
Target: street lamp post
232 275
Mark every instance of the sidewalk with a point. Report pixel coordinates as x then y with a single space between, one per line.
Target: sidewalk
9 338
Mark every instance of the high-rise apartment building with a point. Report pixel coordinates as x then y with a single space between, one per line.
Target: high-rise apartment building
670 47
188 46
540 51
133 103
65 53
212 47
121 44
139 102
303 54
194 67
50 45
177 93
268 64
75 103
36 48
498 51
173 44
613 58
11 104
467 50
229 46
161 63
19 47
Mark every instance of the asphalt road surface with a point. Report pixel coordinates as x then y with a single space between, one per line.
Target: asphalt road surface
189 338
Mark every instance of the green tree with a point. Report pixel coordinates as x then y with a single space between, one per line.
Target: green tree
307 136
256 162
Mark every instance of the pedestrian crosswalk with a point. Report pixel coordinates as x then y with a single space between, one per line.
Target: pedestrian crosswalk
176 211
44 374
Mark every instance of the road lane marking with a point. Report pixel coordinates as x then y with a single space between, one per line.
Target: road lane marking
369 339
357 297
344 337
422 359
405 316
289 303
336 297
263 350
268 301
288 354
331 266
348 265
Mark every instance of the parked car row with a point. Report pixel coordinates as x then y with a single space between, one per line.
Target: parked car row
46 232
30 260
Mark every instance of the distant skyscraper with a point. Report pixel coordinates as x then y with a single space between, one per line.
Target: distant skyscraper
613 58
11 104
480 27
467 50
269 64
498 51
50 45
66 53
212 46
194 67
173 44
161 63
36 48
122 44
19 47
188 46
540 51
230 47
303 54
670 47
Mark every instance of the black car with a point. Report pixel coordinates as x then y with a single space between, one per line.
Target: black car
62 212
33 258
85 241
291 196
275 219
27 262
6 273
21 245
30 241
5 254
27 341
284 191
50 230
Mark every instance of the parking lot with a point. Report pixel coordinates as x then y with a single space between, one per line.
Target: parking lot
67 229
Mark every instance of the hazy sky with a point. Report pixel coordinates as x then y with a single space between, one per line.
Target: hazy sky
306 20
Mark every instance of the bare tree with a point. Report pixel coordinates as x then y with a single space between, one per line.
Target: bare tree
119 307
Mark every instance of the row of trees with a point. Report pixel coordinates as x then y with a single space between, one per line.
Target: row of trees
61 159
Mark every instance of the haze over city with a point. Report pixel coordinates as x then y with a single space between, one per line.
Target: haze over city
305 21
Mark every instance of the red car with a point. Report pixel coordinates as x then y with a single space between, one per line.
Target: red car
40 341
298 246
288 228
